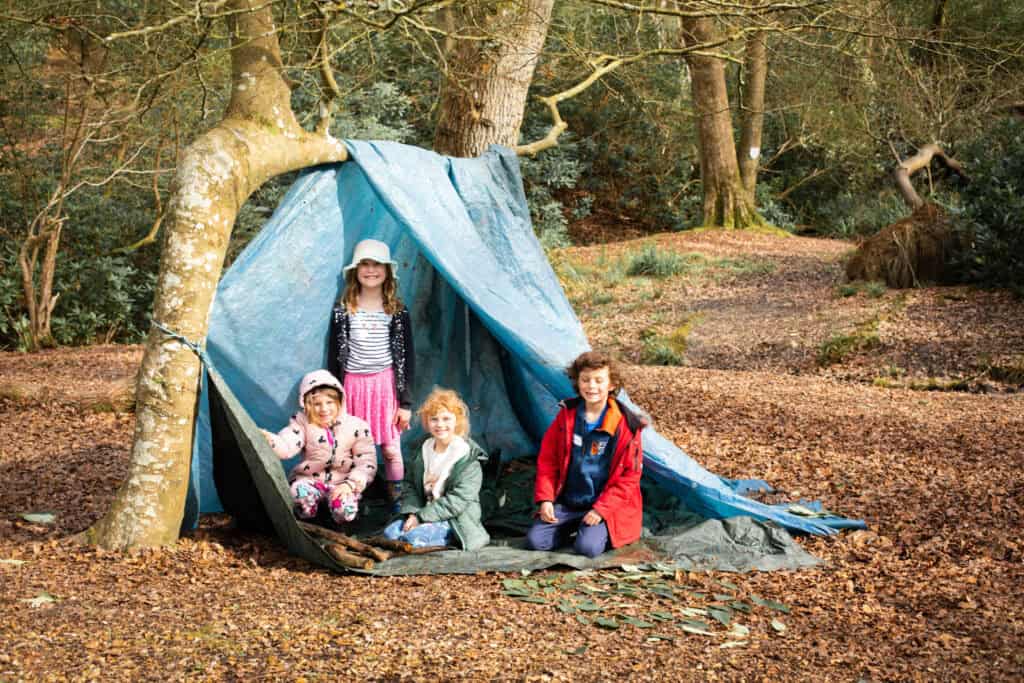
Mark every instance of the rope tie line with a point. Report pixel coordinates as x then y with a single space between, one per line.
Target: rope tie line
197 347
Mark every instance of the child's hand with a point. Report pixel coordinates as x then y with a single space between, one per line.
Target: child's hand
547 512
411 522
402 417
268 436
592 518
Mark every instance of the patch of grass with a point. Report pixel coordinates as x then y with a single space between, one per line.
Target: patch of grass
669 349
745 266
600 298
1011 372
839 347
872 290
653 262
875 289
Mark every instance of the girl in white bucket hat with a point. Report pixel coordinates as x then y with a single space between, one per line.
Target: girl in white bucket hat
370 351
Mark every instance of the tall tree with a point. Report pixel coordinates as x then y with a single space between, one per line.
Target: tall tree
258 138
491 65
755 74
726 203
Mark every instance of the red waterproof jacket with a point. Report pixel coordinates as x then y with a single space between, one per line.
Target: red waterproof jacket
620 503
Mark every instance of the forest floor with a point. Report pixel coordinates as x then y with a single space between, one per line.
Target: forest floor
903 408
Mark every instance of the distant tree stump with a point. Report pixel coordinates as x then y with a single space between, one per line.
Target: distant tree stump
908 252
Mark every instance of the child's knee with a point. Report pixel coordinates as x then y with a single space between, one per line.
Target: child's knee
591 544
540 536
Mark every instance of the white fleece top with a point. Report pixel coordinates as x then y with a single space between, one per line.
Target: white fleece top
437 466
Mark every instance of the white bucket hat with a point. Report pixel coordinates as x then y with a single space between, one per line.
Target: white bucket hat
371 250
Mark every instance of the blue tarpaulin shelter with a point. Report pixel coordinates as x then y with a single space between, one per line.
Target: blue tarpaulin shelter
489 316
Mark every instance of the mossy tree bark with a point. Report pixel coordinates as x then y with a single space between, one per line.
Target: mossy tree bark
257 139
485 90
726 203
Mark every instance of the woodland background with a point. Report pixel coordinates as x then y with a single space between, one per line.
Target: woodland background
751 348
100 99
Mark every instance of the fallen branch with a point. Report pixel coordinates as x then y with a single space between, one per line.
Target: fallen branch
346 541
397 546
347 559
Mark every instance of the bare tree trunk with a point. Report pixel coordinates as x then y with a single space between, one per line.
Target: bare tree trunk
752 116
485 90
908 167
726 203
258 138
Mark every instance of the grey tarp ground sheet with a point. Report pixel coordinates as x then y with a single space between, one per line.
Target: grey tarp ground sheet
489 320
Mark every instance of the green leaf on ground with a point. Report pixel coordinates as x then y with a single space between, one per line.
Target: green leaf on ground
639 623
741 606
43 598
695 611
39 517
770 604
727 584
721 615
531 598
722 597
732 643
582 619
605 622
588 606
578 651
661 616
738 631
566 607
778 626
658 636
690 628
663 592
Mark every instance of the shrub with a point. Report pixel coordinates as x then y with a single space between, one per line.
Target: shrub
992 228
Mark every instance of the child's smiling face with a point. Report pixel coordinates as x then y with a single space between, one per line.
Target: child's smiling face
371 274
594 386
441 425
322 408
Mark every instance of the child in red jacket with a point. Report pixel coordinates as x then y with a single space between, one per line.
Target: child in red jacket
589 466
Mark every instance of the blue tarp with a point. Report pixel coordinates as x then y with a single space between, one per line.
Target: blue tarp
489 316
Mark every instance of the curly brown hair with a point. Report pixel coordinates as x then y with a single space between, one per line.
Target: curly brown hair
445 399
595 360
350 297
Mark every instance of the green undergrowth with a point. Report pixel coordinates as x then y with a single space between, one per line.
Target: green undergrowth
839 347
1009 372
667 349
654 598
873 289
864 337
644 274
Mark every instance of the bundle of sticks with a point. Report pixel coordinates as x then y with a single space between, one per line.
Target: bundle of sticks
351 552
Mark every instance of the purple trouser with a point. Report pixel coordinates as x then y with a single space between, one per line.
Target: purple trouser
590 540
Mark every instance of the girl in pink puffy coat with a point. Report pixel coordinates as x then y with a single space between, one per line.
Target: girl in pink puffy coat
339 459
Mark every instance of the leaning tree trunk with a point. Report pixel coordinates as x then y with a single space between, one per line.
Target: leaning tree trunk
922 160
485 89
755 74
257 139
726 203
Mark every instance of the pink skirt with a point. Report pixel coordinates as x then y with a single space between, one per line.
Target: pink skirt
372 397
